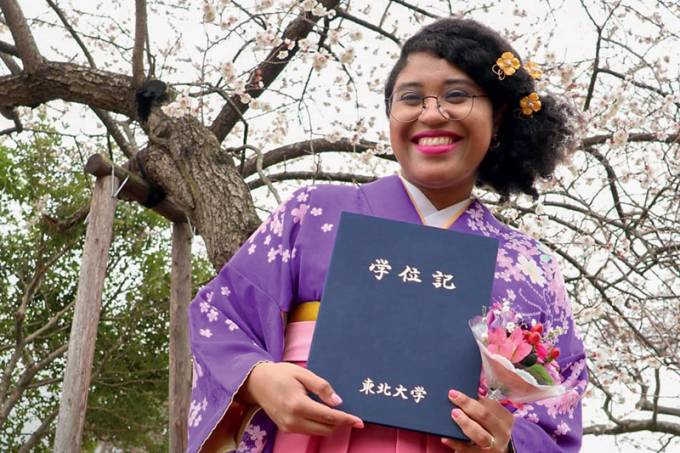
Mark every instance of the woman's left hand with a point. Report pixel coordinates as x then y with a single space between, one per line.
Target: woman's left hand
486 422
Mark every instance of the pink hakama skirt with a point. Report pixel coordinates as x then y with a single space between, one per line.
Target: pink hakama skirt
371 439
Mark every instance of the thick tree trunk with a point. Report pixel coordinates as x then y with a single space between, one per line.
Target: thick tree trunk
184 159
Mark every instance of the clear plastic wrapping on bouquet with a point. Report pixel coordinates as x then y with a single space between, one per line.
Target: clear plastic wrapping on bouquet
504 380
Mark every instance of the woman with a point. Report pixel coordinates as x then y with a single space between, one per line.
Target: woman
462 112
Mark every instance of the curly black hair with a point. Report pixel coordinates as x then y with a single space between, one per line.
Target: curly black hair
527 147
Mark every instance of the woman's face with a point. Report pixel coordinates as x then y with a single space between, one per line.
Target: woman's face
438 155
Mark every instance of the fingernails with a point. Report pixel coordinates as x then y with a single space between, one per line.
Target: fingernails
335 399
453 394
358 424
456 413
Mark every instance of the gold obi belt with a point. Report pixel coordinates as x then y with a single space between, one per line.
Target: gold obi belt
306 311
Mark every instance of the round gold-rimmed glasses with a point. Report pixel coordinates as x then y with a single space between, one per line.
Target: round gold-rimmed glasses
452 105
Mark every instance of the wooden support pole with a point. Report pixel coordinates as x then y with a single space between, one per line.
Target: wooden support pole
135 188
85 319
180 354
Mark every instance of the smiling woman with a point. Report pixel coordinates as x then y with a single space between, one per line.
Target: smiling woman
462 112
440 149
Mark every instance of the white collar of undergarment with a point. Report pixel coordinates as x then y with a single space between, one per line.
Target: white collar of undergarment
428 212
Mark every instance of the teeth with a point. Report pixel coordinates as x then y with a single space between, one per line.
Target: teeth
434 141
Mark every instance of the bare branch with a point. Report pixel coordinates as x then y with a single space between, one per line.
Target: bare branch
630 426
8 49
611 179
633 82
101 114
115 132
313 176
308 148
640 137
260 172
138 51
12 115
9 62
416 9
381 31
647 405
40 431
266 72
72 32
23 38
71 83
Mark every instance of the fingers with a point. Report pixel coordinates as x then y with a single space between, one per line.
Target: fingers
282 390
323 414
301 414
319 386
319 412
486 422
488 414
499 411
459 446
477 434
305 426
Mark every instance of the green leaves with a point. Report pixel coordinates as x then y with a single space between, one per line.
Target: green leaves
41 184
541 375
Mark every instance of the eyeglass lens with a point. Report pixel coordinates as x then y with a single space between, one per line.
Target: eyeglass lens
409 108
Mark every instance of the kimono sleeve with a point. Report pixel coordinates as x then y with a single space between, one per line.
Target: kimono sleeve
236 321
555 425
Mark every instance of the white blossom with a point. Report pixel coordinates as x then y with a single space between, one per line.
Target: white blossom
347 56
320 60
209 12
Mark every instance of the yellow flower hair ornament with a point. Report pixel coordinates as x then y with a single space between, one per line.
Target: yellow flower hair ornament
530 104
506 65
533 69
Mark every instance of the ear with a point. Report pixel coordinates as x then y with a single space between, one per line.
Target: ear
498 116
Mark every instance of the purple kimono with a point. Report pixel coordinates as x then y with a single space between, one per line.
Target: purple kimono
236 320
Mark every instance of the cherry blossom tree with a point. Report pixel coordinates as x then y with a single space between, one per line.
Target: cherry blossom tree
262 95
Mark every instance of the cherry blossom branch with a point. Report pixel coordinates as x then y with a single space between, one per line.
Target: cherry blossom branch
594 282
266 72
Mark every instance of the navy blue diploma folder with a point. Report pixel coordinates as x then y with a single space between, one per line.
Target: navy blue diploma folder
392 333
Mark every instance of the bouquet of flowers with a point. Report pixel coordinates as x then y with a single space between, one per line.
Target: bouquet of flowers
518 360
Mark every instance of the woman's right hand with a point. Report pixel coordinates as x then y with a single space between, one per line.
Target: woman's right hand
280 389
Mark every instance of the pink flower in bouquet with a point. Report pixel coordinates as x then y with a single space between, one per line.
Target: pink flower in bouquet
512 347
541 352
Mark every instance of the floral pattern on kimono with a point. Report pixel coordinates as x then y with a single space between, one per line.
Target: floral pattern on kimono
236 320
